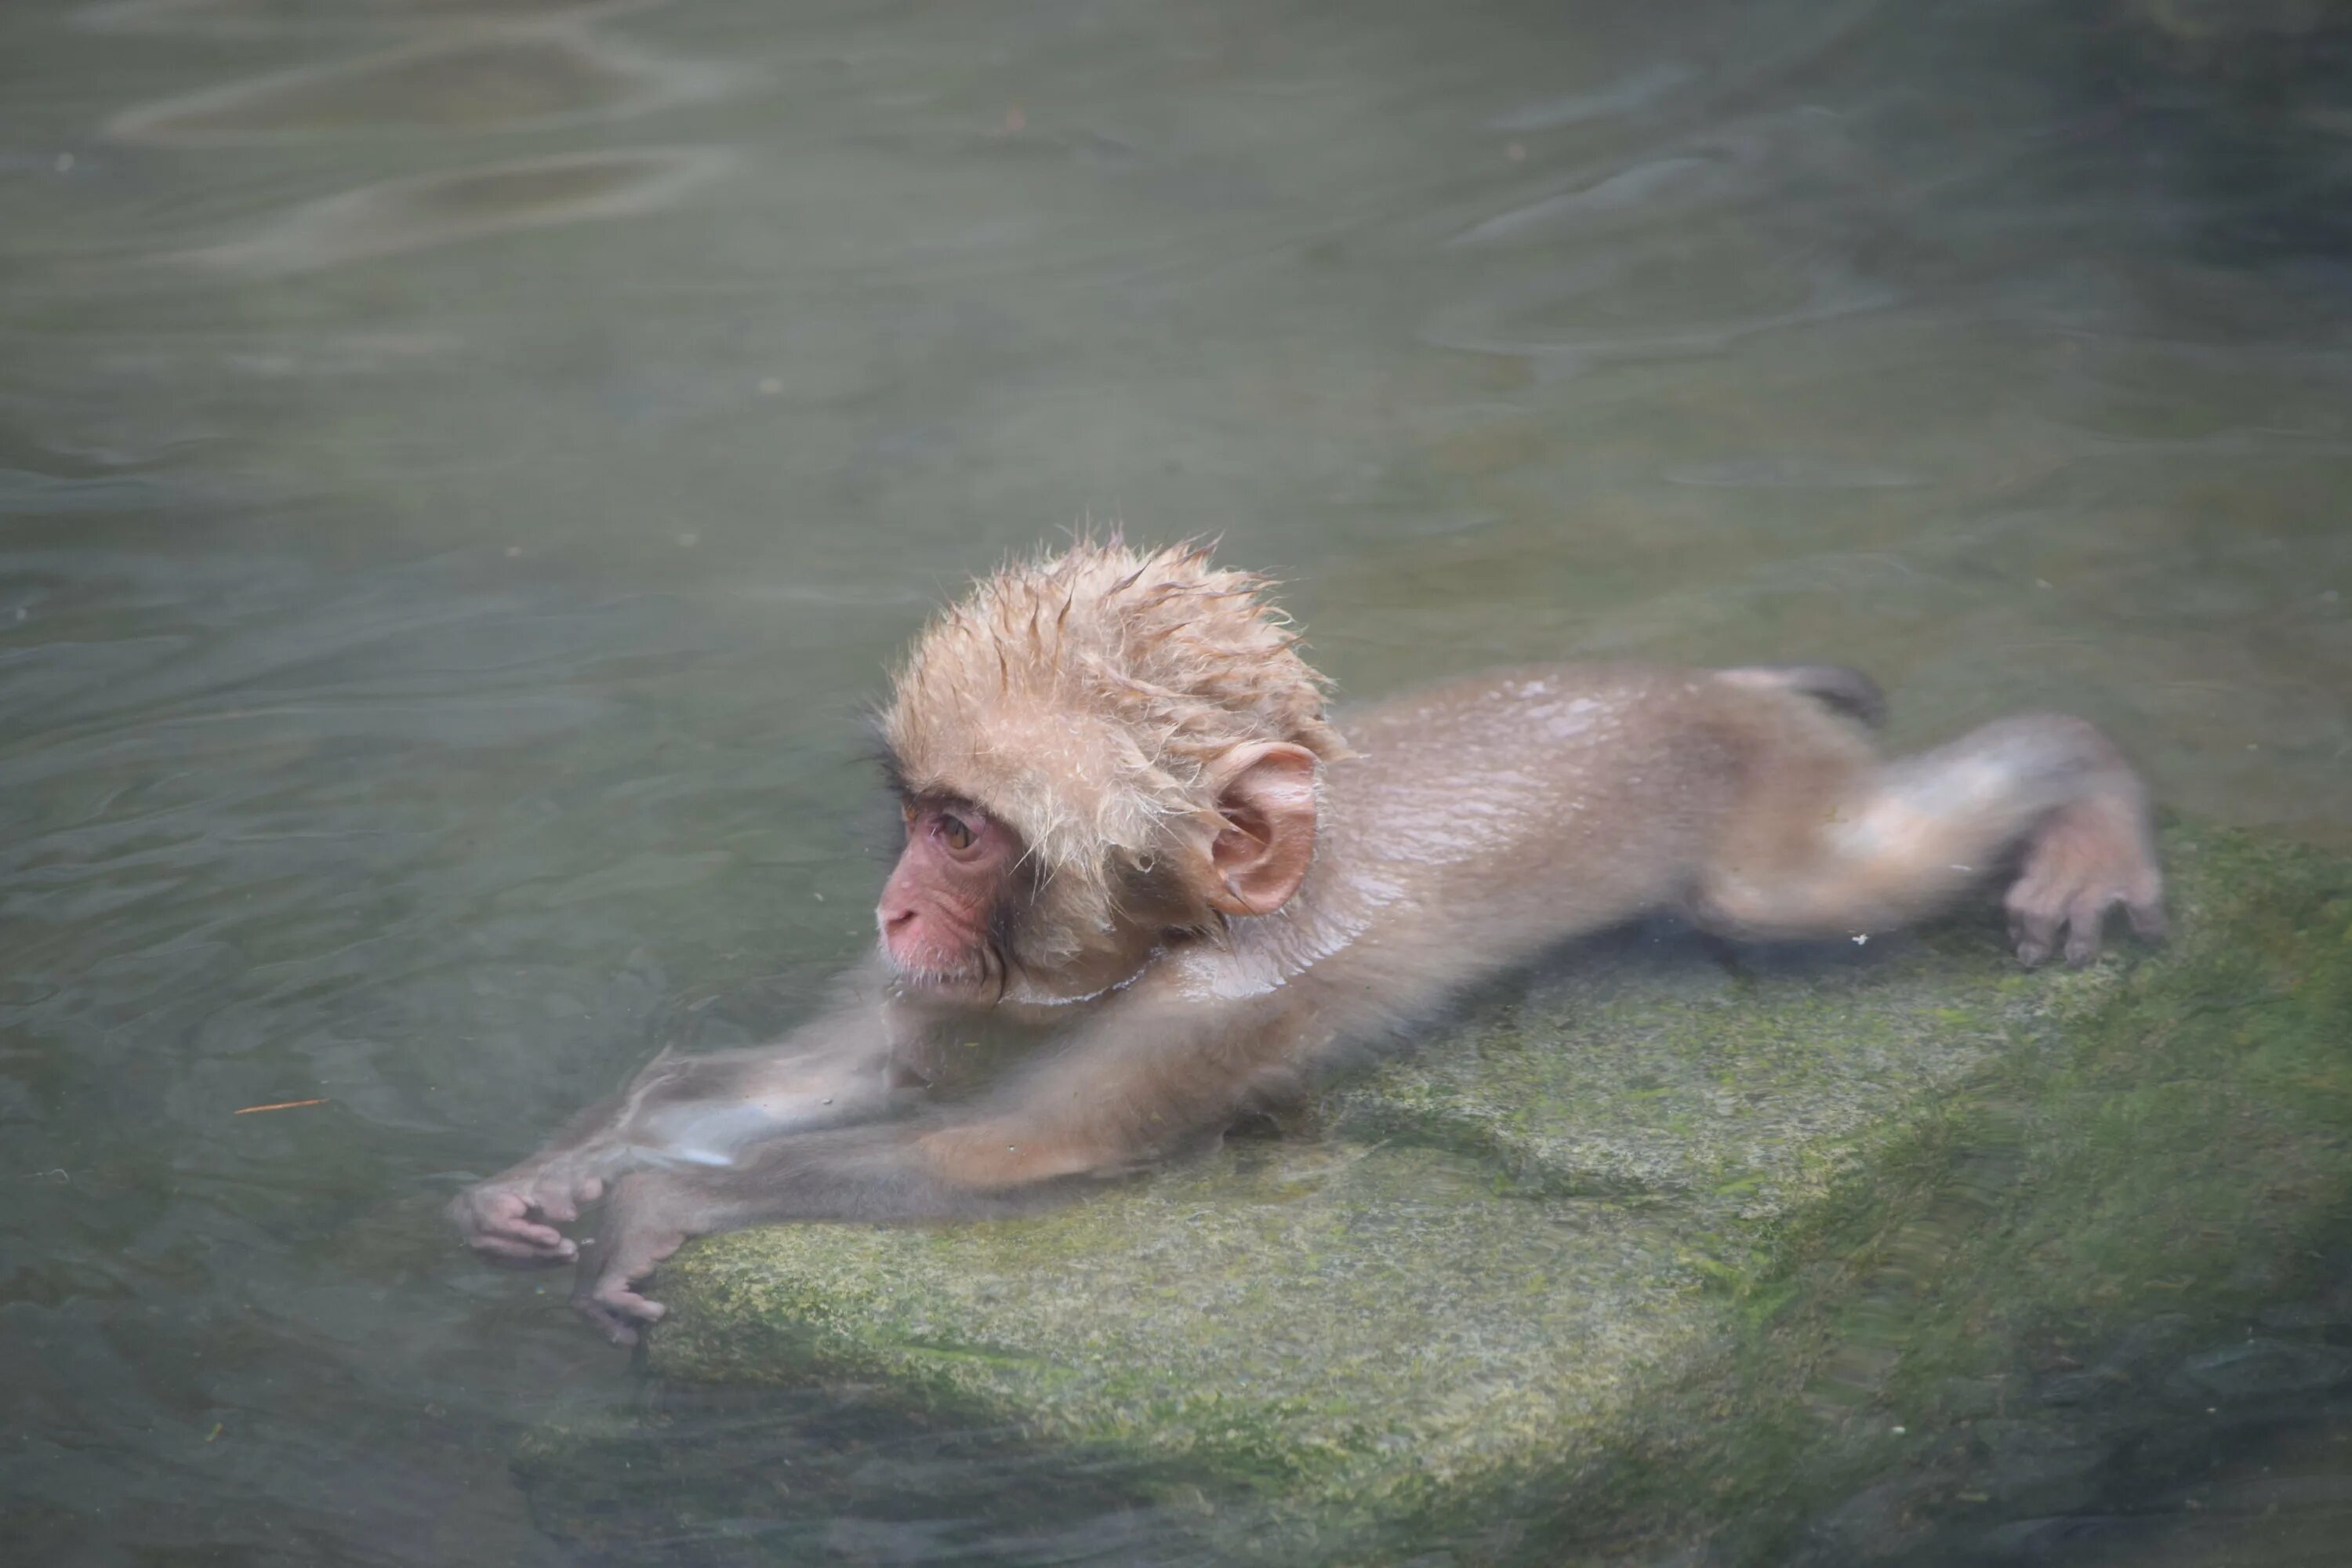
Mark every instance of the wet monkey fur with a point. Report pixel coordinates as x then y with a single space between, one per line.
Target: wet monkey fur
1131 827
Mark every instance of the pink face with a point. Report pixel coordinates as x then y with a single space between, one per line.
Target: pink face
938 906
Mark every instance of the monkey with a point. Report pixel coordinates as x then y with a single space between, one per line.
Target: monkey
1133 833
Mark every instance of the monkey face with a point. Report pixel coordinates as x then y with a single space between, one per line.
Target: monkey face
943 911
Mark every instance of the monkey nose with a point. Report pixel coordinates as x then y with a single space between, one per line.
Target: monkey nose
895 920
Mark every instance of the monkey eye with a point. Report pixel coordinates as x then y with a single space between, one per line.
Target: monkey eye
956 831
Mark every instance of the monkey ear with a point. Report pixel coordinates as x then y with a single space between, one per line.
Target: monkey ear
1266 839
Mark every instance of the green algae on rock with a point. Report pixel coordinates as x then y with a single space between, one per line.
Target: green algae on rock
1661 1244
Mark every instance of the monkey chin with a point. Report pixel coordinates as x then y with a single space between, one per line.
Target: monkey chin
926 974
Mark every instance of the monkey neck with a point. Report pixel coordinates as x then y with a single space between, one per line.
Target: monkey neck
1083 978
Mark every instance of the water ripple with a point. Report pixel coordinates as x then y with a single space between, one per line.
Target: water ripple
524 82
425 211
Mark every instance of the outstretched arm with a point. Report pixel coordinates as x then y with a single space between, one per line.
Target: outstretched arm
1140 1083
684 1112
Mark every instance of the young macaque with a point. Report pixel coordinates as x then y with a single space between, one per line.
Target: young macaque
1131 827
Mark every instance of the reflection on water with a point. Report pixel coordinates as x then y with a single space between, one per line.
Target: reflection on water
433 625
445 209
504 82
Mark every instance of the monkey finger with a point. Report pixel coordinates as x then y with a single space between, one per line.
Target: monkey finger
556 1203
2149 918
614 1326
2033 918
615 1310
2086 918
560 1192
497 1221
2033 936
517 1249
636 1306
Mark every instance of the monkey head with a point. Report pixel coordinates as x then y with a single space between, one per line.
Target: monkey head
1096 752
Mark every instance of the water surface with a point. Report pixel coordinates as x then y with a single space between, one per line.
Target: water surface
463 463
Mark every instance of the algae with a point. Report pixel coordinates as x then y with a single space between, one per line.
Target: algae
1744 1254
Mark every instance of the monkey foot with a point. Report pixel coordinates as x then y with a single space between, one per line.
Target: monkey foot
616 1311
2087 858
514 1220
641 1229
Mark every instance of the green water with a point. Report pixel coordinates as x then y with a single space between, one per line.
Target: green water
463 463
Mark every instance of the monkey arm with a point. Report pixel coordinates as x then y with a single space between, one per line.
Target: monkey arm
1139 1083
692 1111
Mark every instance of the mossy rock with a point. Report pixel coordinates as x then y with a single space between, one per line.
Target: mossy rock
1660 1249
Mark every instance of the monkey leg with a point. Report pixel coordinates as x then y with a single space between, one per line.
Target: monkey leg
645 1221
1885 844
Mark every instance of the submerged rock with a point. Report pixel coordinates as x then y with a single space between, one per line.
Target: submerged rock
2264 1367
1676 1248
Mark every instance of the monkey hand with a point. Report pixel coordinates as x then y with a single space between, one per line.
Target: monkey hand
2086 860
512 1217
644 1223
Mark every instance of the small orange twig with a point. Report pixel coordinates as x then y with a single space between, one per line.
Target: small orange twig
281 1105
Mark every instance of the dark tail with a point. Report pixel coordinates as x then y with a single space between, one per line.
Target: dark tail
1847 691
